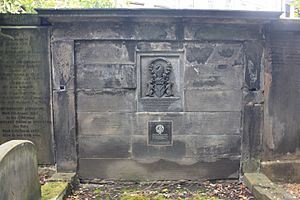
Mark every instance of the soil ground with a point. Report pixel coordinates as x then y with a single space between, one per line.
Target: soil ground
292 188
161 190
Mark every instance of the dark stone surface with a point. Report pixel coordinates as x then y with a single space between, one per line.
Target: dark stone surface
65 130
98 76
227 100
192 123
63 65
252 132
20 20
105 123
141 150
110 100
25 99
225 32
253 51
104 146
64 105
125 30
282 126
158 170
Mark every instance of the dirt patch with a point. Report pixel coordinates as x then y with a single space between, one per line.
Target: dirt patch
45 172
292 188
160 190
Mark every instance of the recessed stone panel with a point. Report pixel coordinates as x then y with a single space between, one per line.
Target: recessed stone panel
105 123
160 77
91 52
214 76
211 123
98 76
105 146
210 100
210 148
106 100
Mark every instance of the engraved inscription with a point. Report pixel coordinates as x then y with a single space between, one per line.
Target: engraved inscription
23 88
160 84
160 133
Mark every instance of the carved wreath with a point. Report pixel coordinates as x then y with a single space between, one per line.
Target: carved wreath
159 84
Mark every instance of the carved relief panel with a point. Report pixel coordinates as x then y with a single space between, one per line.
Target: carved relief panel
160 81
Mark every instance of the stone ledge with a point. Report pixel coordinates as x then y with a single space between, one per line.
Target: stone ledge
282 170
58 186
263 188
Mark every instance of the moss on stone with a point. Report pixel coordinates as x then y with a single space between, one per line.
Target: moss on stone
53 189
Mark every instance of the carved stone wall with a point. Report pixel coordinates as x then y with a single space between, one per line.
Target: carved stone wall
156 98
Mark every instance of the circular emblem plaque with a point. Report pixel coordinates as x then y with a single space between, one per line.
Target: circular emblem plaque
159 129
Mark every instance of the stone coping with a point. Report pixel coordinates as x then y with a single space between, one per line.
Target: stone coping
63 15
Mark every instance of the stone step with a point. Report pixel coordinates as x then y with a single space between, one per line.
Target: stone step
263 188
287 171
58 186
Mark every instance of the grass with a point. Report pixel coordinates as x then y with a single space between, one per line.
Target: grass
52 189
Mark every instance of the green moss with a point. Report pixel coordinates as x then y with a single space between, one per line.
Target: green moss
53 189
134 197
200 197
159 197
98 190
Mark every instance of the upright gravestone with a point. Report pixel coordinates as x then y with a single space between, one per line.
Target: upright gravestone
19 171
24 86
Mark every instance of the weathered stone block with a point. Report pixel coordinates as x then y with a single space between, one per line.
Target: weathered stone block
252 131
25 111
192 123
222 32
108 146
63 65
98 76
206 100
141 150
159 46
157 170
105 123
212 123
117 100
91 52
210 148
253 54
116 30
65 134
214 77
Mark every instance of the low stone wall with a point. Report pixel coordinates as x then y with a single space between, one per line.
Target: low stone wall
19 171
